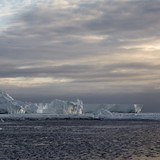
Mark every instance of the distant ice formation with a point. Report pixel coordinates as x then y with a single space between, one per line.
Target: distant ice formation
60 107
125 108
103 113
114 108
122 108
8 105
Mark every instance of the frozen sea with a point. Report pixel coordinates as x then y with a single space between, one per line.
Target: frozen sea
79 139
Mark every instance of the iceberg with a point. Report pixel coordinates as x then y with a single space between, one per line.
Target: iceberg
63 108
56 107
114 108
123 108
103 113
28 107
8 105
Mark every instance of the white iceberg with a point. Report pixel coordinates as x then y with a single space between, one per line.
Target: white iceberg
61 107
116 108
56 107
125 108
8 105
67 108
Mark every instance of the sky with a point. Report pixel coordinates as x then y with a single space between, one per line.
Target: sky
101 51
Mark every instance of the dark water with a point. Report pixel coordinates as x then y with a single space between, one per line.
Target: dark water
79 140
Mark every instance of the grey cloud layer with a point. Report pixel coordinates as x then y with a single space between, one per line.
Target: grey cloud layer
105 45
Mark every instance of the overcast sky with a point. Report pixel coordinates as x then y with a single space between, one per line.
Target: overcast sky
104 51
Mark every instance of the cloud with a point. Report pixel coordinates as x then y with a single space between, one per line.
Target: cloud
100 47
105 78
28 82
